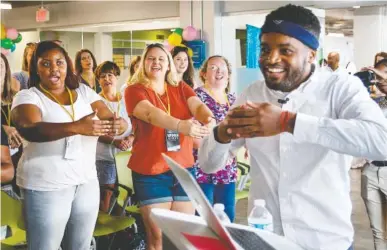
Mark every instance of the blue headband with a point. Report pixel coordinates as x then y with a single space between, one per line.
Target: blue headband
292 30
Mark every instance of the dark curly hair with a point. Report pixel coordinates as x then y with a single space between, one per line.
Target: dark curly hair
71 80
298 15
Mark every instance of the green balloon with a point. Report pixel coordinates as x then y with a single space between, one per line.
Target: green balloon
6 43
179 31
18 39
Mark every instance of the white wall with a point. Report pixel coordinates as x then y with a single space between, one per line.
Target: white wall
72 41
103 47
343 45
370 34
15 58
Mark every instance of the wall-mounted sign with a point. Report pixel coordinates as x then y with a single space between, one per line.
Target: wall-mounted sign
199 52
42 15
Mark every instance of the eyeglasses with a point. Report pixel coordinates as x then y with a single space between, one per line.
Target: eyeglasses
215 68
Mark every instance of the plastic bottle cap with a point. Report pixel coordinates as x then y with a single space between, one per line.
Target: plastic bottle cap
219 207
259 203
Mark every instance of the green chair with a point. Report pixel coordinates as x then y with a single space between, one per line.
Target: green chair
125 183
12 216
107 224
243 184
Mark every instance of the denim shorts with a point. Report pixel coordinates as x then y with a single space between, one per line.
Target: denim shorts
106 171
153 189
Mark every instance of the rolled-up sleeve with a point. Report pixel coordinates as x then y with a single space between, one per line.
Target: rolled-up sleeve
360 129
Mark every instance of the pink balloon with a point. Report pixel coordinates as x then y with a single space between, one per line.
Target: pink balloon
189 33
12 33
168 46
5 51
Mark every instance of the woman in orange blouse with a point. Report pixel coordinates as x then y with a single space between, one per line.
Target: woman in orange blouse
161 110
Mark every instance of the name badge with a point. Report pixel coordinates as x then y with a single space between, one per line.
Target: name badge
72 147
172 140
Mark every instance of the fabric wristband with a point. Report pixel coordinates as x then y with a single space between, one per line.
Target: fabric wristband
292 30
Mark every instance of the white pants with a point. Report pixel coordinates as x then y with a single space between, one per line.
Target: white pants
374 194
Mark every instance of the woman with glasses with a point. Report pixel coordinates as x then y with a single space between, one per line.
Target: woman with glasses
161 110
85 65
22 77
184 65
215 93
107 74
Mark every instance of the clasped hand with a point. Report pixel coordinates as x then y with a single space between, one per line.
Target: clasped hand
90 125
251 120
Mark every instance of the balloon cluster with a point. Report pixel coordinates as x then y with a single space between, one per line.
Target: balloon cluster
9 38
179 36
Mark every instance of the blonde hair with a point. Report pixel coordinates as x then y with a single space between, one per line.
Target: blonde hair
140 75
203 70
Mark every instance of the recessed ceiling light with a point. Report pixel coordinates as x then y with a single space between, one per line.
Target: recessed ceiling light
332 34
356 7
5 6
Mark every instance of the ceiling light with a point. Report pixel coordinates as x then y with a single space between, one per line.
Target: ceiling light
356 7
5 6
335 34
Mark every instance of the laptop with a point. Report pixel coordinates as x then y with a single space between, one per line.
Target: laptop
233 236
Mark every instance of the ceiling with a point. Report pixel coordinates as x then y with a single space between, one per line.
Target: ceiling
339 21
20 4
339 14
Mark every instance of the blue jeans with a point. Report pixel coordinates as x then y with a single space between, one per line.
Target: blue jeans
221 193
69 214
106 171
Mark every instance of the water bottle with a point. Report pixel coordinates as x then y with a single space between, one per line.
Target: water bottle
260 217
219 211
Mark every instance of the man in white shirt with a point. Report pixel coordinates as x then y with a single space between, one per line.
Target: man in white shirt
374 174
334 61
299 127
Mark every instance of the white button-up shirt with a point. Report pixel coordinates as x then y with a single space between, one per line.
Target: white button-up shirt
304 176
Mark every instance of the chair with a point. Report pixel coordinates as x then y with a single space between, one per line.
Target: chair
243 185
125 183
12 216
108 224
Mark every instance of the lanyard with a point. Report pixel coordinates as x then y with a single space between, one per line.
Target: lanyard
7 117
57 101
168 110
111 107
213 96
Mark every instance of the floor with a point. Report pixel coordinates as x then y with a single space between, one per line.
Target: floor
363 234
